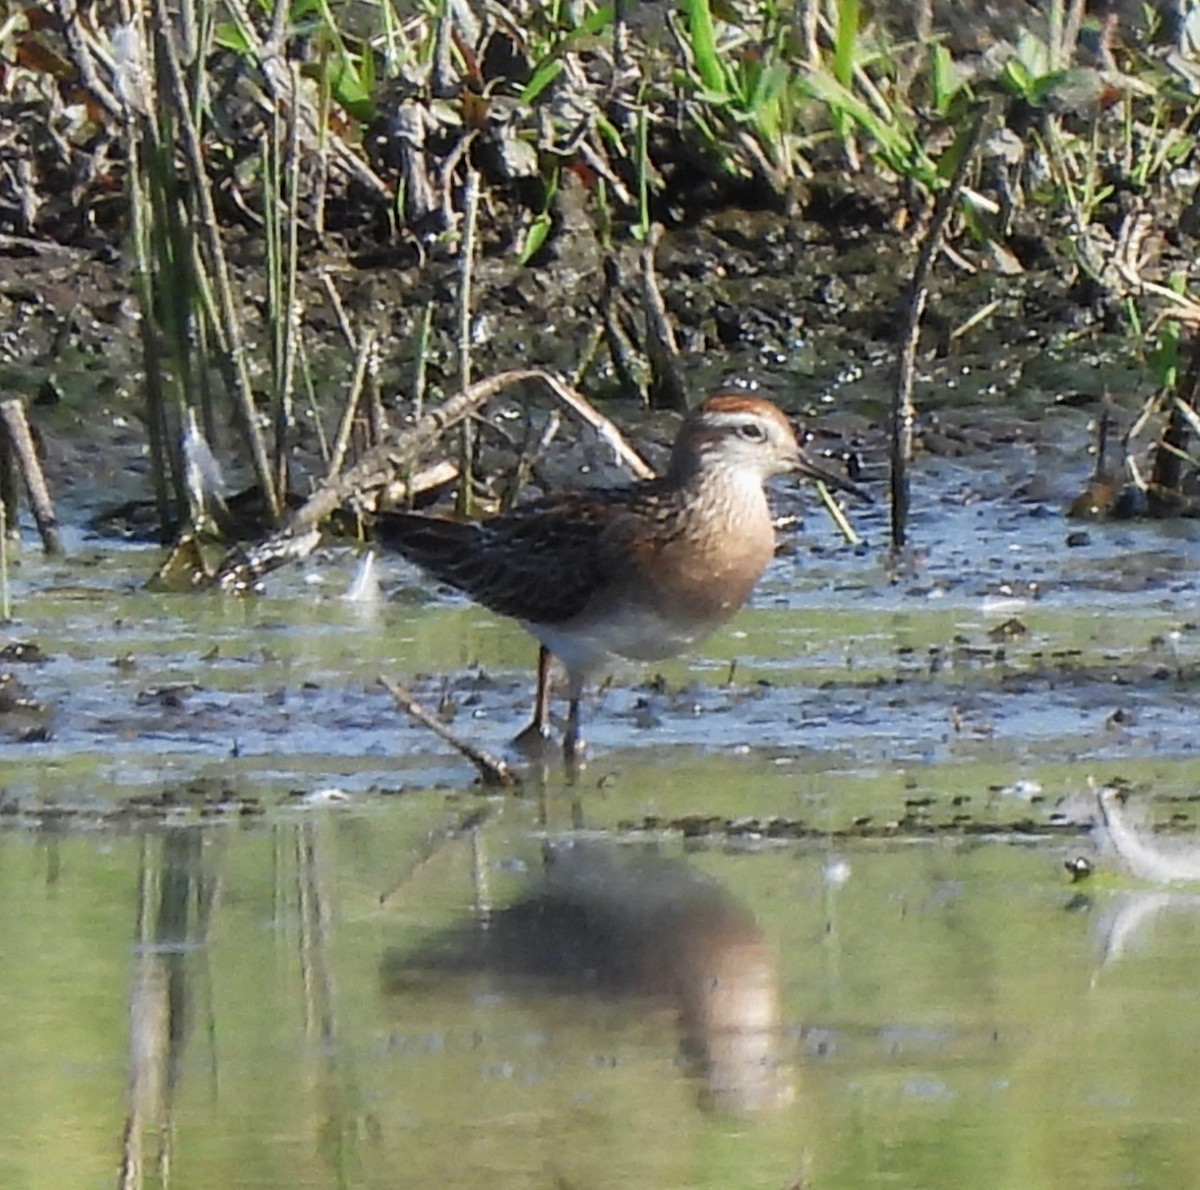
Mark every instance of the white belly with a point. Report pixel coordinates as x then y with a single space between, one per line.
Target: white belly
639 634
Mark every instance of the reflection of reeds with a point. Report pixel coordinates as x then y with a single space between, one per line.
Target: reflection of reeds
177 899
174 908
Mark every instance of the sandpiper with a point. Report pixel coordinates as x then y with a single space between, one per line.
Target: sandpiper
642 571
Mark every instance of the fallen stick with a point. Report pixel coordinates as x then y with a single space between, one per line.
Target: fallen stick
12 416
493 771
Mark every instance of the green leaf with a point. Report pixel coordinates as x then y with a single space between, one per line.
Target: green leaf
550 66
1046 84
945 78
230 36
350 90
539 229
546 72
1017 78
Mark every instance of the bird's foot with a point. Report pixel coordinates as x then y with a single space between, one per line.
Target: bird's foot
574 749
534 741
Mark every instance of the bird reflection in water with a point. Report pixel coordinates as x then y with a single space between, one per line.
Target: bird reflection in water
635 926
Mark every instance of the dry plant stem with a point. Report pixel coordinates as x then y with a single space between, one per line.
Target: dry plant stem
807 24
10 483
339 312
143 141
621 350
286 380
72 31
528 459
620 51
467 260
377 418
320 187
421 379
237 373
279 23
12 416
1070 35
342 441
844 527
148 331
541 697
1063 34
903 410
493 771
5 593
587 413
666 389
441 81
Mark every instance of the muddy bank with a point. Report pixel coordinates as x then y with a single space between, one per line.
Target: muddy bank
785 255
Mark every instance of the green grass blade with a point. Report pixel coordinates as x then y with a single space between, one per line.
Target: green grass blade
845 52
704 45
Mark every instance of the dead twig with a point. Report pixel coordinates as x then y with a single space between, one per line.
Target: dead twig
16 428
341 442
81 54
493 771
903 410
604 429
466 444
666 389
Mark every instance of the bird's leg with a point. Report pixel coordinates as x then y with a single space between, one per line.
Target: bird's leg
573 740
538 731
541 698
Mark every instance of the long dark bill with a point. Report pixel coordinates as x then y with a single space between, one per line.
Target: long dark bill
806 467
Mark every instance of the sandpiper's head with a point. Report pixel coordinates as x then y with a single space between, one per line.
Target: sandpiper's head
737 431
741 432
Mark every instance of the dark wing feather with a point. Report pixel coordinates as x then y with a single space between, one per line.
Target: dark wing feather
541 562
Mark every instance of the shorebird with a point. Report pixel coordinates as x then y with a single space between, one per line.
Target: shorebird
643 571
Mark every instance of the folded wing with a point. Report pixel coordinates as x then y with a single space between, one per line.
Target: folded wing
541 563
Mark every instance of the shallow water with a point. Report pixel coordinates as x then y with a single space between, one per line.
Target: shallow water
264 1005
803 919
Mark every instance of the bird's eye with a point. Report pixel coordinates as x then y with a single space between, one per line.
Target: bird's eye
752 431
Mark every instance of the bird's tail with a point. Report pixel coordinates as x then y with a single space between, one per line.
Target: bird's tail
436 544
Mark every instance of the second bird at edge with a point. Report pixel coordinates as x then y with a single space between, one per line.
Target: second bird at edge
642 571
